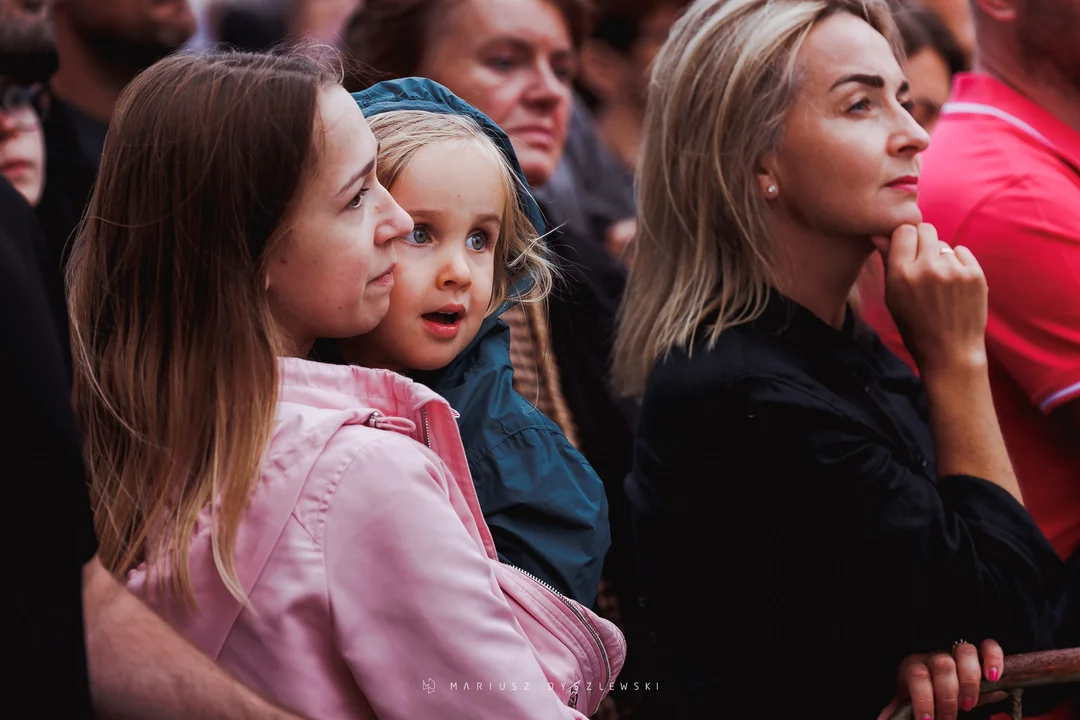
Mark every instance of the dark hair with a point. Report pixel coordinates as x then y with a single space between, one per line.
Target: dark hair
921 28
386 39
174 342
618 22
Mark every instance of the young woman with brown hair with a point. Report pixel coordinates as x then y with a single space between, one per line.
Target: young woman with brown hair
312 527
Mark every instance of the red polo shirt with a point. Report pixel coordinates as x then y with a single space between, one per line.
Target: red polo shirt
1002 177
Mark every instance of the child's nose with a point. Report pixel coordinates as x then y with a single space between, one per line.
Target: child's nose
457 270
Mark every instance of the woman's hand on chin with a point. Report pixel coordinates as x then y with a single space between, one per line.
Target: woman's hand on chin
938 297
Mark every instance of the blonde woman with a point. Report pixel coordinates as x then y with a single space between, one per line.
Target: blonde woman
853 515
312 527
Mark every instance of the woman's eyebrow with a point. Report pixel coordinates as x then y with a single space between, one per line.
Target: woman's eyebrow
363 172
874 81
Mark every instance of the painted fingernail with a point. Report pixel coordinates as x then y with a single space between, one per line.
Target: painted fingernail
927 716
968 704
993 674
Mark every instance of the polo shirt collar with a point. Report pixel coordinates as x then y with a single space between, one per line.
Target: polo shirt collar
978 89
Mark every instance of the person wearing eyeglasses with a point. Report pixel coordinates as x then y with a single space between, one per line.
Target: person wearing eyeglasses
22 144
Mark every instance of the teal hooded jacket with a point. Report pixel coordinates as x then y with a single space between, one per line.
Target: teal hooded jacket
546 507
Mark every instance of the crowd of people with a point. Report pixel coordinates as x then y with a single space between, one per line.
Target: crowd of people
541 358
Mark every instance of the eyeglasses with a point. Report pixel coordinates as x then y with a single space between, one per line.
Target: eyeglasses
14 98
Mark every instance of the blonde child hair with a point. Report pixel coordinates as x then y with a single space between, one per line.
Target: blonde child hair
523 272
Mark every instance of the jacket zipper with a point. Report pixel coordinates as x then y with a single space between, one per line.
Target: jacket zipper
427 427
373 421
565 600
588 625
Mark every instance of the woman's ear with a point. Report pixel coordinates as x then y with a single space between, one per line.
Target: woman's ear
767 182
768 177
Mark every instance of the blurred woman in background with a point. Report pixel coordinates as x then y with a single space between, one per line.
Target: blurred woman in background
933 58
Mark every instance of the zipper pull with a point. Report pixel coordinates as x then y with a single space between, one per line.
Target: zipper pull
379 421
572 702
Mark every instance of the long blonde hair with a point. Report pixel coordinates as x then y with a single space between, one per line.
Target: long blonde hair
720 89
520 254
174 344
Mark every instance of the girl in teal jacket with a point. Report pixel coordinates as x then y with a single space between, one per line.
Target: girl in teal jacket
476 247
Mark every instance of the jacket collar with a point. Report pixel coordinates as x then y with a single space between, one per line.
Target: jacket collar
340 386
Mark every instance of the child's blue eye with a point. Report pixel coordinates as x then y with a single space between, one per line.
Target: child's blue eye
477 242
419 236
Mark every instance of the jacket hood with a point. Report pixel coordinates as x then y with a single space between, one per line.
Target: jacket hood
429 96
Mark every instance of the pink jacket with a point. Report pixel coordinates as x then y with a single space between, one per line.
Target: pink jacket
373 578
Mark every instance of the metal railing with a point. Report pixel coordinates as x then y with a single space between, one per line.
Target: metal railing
1037 669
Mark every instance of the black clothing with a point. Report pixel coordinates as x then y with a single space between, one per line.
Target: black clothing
51 532
587 193
793 463
1068 632
73 144
582 312
28 65
591 188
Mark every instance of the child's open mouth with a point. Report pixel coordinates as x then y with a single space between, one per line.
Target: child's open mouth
443 324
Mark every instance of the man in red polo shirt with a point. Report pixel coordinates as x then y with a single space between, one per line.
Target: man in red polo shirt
1002 177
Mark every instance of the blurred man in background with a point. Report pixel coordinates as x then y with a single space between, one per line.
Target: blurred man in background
101 47
956 14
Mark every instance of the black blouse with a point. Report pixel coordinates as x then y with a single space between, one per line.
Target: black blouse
792 467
